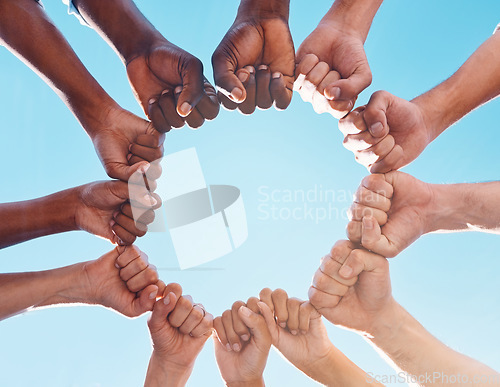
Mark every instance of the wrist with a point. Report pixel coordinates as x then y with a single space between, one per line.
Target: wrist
259 382
162 373
58 211
264 9
353 16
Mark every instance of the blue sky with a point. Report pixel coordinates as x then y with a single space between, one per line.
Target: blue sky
448 282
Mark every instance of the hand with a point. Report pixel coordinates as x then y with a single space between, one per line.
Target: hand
255 61
103 209
352 287
390 212
386 134
170 86
342 57
126 143
242 365
297 331
123 280
179 330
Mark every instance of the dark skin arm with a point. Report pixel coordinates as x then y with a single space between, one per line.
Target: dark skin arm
168 81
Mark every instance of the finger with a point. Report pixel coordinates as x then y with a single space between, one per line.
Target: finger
146 300
193 320
144 217
238 325
134 228
192 87
361 260
155 140
377 152
173 288
133 268
247 76
391 162
181 312
280 297
268 315
350 88
306 313
293 307
341 250
146 153
328 285
156 116
195 119
372 199
221 333
209 104
226 81
358 211
252 304
313 80
204 328
329 267
122 236
258 328
353 231
361 141
375 114
378 184
306 64
263 96
280 94
143 279
373 239
161 309
226 103
353 123
265 296
320 299
129 254
233 339
168 107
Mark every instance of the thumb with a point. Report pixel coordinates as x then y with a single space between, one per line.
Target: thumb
360 260
225 78
258 327
349 88
146 300
268 318
119 189
192 87
375 114
161 309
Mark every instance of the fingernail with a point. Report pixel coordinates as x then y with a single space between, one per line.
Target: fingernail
166 300
129 156
345 271
282 324
112 223
228 347
236 94
117 266
276 75
153 294
243 76
367 223
262 67
250 69
245 337
236 347
120 241
294 332
144 168
130 147
376 129
334 93
165 92
185 108
178 89
115 214
245 311
152 101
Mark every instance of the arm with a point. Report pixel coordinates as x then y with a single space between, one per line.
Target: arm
389 132
352 289
168 81
26 31
100 208
332 65
179 330
93 282
392 211
254 63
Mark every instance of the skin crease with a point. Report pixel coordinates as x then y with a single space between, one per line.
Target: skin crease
352 288
250 69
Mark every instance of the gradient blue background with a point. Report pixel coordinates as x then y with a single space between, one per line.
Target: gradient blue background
448 282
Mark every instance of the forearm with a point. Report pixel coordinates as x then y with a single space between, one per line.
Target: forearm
355 15
474 84
121 24
22 221
22 291
465 207
27 31
159 374
410 348
336 370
